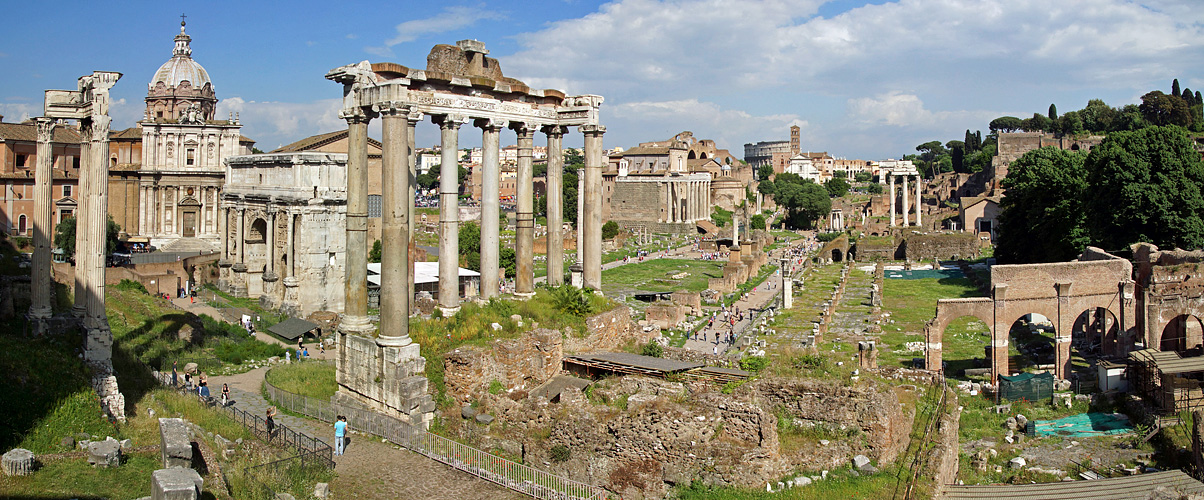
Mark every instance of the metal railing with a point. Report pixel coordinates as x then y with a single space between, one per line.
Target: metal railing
515 476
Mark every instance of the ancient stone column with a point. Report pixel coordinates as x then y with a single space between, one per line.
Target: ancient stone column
98 349
414 118
555 194
355 315
581 215
919 193
524 242
905 207
40 287
239 280
83 204
490 205
787 285
395 221
592 262
449 215
270 272
891 180
141 210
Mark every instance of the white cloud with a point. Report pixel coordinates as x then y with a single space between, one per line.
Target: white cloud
897 109
16 112
452 18
273 124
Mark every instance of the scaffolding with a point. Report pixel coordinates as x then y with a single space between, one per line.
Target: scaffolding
1173 382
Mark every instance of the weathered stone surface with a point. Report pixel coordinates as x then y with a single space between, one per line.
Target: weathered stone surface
467 411
522 363
17 462
607 331
322 491
67 442
176 483
860 461
1017 462
484 418
175 448
285 496
105 453
190 368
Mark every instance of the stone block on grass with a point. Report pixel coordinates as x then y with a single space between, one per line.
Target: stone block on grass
176 483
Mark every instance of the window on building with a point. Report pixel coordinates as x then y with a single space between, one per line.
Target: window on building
22 221
65 214
21 160
374 205
190 157
984 226
66 190
75 162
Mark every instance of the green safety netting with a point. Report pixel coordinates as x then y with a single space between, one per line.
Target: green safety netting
1083 425
925 274
1026 386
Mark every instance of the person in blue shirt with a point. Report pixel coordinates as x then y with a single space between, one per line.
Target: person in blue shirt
340 429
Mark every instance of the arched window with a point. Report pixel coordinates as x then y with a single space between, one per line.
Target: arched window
22 223
258 232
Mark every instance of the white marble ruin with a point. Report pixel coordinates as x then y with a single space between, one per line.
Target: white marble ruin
460 86
904 172
89 104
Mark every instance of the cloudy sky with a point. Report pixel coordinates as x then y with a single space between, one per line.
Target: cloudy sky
864 79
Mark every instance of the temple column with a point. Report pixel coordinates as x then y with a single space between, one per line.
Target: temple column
524 242
355 316
580 215
98 349
84 202
395 222
270 272
449 214
239 281
592 262
40 309
555 194
490 205
891 180
787 285
905 207
414 118
919 193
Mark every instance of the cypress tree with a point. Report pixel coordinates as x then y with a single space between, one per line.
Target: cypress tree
1053 112
1175 87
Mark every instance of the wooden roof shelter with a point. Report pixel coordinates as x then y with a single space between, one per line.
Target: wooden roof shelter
635 364
1119 488
1169 378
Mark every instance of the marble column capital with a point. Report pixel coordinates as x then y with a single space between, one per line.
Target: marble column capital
100 129
45 129
391 108
415 116
491 124
524 129
450 122
554 130
592 129
356 115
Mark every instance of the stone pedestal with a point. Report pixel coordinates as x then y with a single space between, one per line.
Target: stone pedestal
175 449
176 484
238 284
390 380
576 275
224 275
291 304
271 294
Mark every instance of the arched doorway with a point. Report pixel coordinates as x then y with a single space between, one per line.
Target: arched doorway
1183 334
837 256
966 345
1031 345
1096 333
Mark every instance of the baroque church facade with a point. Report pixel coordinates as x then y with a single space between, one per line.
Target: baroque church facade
172 200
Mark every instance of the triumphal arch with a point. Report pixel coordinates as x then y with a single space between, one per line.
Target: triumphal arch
459 86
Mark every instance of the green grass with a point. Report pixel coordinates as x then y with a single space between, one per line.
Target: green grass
912 303
315 379
656 275
74 478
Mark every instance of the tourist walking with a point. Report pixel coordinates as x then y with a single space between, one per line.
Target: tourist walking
225 394
270 423
174 379
340 429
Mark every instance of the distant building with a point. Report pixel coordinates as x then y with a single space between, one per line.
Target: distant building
18 157
773 153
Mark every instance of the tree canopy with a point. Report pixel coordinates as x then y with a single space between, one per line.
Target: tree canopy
64 236
837 187
1042 217
805 201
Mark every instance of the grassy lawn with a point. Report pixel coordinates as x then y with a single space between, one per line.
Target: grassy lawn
658 275
912 303
315 380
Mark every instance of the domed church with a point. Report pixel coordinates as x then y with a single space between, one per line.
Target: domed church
166 175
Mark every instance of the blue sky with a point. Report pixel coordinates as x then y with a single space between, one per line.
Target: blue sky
866 80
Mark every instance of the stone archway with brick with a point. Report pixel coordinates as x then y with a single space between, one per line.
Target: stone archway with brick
1059 291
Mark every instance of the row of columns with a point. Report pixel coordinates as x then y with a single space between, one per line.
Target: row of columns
159 205
693 195
906 207
398 182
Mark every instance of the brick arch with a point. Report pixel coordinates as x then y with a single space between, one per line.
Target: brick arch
948 310
1111 337
1163 314
1190 337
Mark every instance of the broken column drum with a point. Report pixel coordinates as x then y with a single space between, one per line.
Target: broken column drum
460 86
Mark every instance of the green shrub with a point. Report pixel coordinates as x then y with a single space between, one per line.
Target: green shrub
496 387
826 237
571 300
754 363
559 453
652 348
131 285
610 229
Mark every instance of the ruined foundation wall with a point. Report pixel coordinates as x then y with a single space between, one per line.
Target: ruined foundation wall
876 412
523 363
608 331
941 246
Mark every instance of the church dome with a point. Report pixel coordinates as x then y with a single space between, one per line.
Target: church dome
181 67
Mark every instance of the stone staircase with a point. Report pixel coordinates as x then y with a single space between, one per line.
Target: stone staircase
188 245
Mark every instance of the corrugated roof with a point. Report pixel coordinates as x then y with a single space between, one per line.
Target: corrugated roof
292 328
639 361
1169 362
29 132
1119 488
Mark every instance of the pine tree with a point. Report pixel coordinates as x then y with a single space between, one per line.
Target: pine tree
1053 112
1175 87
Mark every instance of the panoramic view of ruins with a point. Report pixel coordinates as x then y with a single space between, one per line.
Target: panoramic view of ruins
605 250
